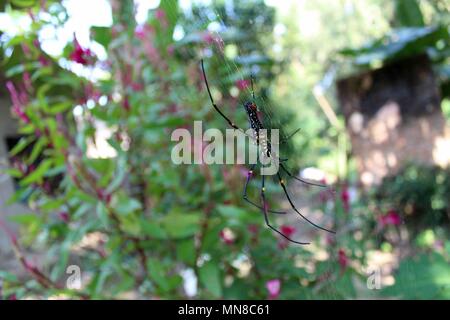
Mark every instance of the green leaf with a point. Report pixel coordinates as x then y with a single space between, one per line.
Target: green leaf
167 122
175 281
27 129
16 70
398 44
102 213
63 258
25 219
131 224
235 214
23 3
97 283
21 145
41 72
186 251
37 149
59 107
231 211
180 225
120 174
82 210
102 35
8 276
209 275
38 174
157 274
408 14
15 173
52 204
153 229
127 205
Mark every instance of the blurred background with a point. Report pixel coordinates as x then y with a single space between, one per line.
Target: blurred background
92 206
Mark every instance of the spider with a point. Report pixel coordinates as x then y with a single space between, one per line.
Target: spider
262 141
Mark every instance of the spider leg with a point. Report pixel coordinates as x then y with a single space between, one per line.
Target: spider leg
249 176
299 179
289 136
284 140
231 123
296 210
266 218
253 91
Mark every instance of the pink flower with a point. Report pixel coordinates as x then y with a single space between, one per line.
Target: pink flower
160 14
273 287
288 231
19 100
102 195
143 31
64 216
227 236
26 50
81 55
325 195
26 78
43 61
47 187
126 104
343 259
391 218
253 228
330 239
91 93
139 32
153 54
242 84
173 108
439 245
31 168
136 86
170 50
345 198
208 38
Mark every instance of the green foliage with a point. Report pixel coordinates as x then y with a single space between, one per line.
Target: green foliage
425 276
210 277
135 222
408 14
420 193
410 37
399 44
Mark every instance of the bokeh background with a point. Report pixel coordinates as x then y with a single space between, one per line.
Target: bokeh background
92 90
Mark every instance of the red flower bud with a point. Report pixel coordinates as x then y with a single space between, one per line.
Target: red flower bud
81 55
391 218
343 259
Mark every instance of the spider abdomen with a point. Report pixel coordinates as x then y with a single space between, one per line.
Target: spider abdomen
258 128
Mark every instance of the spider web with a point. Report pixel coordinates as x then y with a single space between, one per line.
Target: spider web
212 21
215 54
